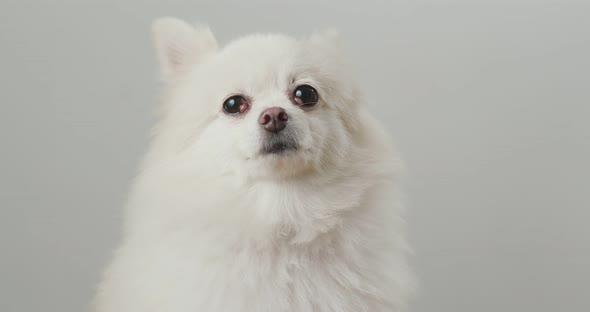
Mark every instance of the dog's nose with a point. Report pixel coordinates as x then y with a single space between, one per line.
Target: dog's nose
273 119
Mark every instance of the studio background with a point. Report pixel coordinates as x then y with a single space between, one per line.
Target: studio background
488 102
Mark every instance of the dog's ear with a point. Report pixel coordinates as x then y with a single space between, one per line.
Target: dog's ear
179 45
329 36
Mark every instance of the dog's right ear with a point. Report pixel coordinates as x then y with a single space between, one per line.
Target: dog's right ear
180 45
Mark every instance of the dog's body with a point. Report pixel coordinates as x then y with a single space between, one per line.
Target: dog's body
283 203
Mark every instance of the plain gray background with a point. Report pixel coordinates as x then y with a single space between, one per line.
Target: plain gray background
488 102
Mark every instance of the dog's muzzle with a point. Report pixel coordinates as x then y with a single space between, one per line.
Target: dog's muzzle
278 143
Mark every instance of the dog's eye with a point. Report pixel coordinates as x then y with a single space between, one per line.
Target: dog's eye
305 96
236 104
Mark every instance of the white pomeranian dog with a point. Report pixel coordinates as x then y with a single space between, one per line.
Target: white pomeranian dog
267 186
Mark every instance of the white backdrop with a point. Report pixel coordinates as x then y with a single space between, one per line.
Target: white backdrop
488 101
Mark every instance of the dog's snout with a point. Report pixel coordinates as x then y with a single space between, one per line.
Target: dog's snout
273 119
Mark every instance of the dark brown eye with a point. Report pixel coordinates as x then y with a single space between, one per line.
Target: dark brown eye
305 96
235 105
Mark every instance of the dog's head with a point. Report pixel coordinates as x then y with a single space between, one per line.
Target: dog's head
263 106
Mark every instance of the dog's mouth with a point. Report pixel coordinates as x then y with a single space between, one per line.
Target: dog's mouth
277 145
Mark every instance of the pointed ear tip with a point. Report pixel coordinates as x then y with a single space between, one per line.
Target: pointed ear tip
167 23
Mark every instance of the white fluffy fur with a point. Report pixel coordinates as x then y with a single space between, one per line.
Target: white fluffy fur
212 225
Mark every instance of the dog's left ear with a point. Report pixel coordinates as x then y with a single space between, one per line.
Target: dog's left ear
179 45
329 36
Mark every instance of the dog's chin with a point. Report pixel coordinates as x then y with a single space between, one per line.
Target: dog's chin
278 157
279 149
278 145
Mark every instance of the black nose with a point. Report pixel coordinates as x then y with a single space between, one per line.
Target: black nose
273 119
